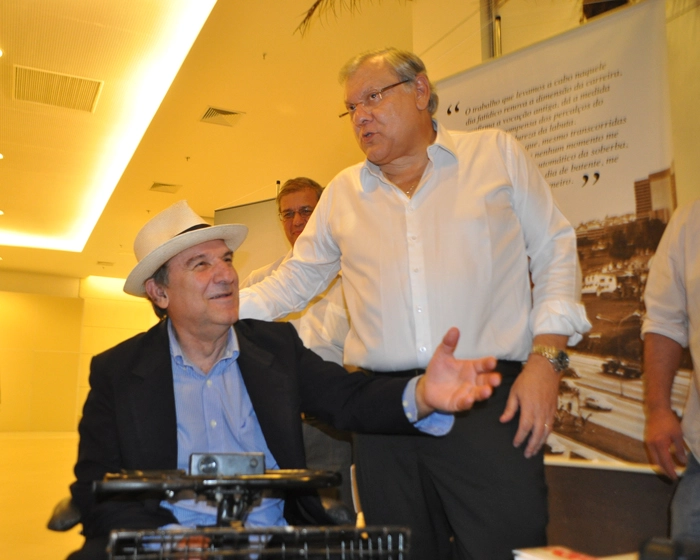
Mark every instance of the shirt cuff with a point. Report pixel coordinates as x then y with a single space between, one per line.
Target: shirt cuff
435 424
560 317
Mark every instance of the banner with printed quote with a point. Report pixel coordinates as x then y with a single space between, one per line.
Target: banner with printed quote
591 107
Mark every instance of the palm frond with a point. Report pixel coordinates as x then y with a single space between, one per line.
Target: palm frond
324 6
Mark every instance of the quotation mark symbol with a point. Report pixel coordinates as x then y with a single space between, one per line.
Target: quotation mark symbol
596 176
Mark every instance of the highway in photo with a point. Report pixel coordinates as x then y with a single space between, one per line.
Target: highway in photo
595 398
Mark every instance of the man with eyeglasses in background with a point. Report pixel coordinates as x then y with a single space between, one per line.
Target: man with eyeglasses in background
438 229
322 327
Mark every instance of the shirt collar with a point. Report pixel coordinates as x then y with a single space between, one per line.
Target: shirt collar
232 349
443 142
371 175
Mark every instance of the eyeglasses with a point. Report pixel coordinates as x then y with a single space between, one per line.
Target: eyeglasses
371 100
304 212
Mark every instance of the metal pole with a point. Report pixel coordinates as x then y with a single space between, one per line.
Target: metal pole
497 50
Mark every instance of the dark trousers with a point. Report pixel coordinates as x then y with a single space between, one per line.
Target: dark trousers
467 495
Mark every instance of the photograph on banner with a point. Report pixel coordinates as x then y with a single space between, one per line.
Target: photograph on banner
591 107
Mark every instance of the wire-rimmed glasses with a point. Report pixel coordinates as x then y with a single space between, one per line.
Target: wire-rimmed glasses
370 100
304 212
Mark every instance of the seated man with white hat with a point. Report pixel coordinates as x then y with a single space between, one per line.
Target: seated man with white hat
203 381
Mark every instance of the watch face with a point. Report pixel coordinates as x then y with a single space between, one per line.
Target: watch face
562 360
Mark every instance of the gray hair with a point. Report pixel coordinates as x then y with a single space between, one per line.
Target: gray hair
406 65
298 184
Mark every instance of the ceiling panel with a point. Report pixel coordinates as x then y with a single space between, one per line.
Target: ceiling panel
246 58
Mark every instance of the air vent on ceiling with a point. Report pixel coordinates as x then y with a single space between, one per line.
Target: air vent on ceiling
223 117
165 187
59 90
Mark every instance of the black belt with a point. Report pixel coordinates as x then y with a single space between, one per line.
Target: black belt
405 373
507 368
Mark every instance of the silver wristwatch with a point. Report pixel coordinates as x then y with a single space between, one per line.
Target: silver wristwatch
558 358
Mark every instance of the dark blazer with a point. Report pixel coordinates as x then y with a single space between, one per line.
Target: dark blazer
129 416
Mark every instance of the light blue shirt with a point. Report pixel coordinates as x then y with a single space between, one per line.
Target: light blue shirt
215 415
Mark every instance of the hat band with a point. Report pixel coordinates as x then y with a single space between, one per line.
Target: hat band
194 228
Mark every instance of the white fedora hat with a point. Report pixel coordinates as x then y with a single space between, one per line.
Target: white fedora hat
170 232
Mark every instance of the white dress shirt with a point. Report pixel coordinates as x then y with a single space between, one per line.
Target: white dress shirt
323 325
672 299
461 252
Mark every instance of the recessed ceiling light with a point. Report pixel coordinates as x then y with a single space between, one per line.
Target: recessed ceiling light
173 36
1 212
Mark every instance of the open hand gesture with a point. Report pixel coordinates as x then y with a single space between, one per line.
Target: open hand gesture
452 385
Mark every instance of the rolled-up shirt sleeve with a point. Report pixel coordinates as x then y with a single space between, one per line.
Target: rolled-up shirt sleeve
665 295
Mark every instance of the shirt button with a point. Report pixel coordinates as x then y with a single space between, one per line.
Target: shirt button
213 423
419 309
209 383
422 348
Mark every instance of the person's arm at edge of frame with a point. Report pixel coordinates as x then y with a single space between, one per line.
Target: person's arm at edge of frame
662 431
665 333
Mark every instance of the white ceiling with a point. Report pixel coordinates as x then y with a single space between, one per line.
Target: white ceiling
246 58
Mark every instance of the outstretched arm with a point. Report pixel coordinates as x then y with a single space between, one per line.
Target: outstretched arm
662 434
451 385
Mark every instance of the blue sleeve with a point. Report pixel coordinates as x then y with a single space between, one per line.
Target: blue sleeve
435 424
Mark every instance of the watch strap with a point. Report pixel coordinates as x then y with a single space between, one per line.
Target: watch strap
558 358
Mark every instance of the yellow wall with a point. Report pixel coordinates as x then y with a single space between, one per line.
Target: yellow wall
47 341
39 354
683 39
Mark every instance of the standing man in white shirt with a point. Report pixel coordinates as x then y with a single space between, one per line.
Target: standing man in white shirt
322 327
672 322
438 229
